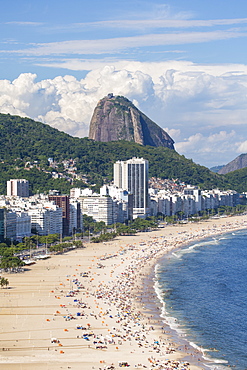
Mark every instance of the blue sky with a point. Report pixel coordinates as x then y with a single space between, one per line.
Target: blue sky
183 63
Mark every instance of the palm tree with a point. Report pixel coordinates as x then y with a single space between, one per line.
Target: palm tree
4 282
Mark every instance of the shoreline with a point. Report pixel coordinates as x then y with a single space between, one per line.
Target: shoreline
196 355
109 289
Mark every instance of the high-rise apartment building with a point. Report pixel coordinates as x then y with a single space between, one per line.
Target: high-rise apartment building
132 175
76 217
46 220
18 187
98 207
62 201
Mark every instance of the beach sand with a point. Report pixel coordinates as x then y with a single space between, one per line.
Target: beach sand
94 308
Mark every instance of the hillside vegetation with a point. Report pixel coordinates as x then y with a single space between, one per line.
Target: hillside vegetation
23 139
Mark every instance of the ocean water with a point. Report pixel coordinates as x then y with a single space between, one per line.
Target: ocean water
203 288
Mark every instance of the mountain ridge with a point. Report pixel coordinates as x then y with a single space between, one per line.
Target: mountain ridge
236 164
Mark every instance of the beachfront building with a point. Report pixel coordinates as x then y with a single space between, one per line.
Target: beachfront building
46 220
191 200
209 201
101 208
164 205
33 214
132 175
10 225
110 206
122 200
193 192
23 225
14 223
18 188
76 217
62 201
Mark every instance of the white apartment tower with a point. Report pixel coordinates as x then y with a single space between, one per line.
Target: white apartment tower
18 187
100 208
132 175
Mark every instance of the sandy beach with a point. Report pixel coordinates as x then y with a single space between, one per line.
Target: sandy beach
87 309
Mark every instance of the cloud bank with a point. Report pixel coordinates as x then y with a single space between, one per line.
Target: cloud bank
203 107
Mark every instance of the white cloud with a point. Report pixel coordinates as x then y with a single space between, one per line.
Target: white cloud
206 144
21 23
175 134
119 44
202 107
212 149
159 23
191 144
242 148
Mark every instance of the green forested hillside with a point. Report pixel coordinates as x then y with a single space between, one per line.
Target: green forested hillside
23 139
237 179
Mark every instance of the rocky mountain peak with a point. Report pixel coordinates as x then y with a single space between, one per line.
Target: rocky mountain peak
116 118
236 164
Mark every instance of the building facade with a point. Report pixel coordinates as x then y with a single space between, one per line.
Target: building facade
101 208
18 187
46 220
76 217
132 175
62 201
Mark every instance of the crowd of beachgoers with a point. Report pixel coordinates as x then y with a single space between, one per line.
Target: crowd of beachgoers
95 315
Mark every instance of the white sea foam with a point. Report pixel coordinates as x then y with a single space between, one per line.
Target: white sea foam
209 359
190 249
169 320
193 247
198 348
173 323
175 255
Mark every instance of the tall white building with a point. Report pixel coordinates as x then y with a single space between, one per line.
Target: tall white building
122 200
10 225
18 187
46 220
23 225
99 207
132 175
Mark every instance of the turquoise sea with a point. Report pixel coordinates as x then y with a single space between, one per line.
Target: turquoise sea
203 291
